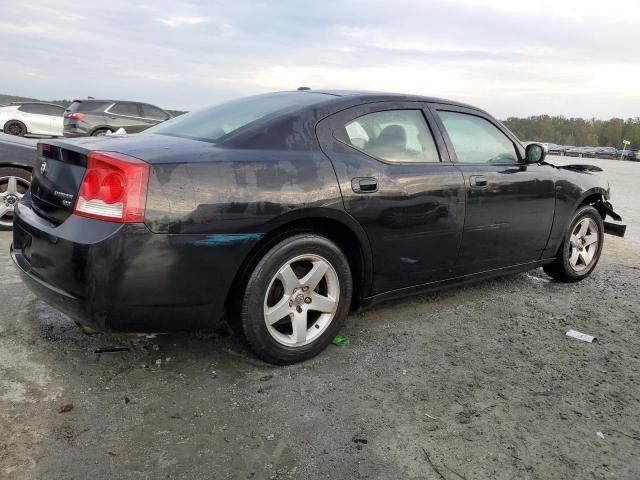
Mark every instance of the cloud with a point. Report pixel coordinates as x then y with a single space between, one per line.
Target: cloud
178 21
572 57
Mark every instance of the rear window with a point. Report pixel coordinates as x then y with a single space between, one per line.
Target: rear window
87 106
149 111
213 123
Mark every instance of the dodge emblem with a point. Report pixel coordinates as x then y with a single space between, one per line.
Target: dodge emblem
43 168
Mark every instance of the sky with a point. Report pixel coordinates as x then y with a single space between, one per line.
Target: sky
512 58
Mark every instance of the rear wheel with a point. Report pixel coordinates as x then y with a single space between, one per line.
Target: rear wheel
296 299
14 182
581 248
15 127
100 132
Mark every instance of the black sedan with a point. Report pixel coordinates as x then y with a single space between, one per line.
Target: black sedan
17 155
287 210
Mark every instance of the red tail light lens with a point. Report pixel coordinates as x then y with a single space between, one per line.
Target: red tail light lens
114 188
76 116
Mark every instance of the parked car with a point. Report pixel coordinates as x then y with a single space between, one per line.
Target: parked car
98 117
16 161
561 150
577 152
287 210
632 153
31 118
605 152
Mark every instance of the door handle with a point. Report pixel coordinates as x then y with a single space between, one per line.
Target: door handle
364 185
478 181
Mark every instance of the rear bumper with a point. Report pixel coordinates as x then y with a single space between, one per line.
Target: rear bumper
123 277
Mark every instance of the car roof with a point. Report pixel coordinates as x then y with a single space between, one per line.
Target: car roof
372 96
80 100
32 102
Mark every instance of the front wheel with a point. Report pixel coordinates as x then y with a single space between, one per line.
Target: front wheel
296 299
581 248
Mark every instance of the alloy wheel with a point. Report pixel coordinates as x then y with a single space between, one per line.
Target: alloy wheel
584 242
15 128
12 189
301 300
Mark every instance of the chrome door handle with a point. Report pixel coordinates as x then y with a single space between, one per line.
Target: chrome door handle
478 181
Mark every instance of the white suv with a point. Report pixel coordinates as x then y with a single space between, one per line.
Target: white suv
31 118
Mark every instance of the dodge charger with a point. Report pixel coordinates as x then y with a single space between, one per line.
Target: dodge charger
282 212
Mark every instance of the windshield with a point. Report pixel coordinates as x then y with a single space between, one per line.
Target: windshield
213 123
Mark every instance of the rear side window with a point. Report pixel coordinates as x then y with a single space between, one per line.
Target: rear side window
394 135
149 111
476 140
55 110
125 108
213 123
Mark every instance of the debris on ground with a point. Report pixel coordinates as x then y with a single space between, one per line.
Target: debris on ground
111 349
340 340
112 453
430 417
581 336
600 435
66 408
362 441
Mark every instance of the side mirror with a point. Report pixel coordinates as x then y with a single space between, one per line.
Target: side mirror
535 153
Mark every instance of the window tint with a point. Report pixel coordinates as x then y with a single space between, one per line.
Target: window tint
476 140
126 108
394 135
55 110
215 122
34 108
155 113
87 106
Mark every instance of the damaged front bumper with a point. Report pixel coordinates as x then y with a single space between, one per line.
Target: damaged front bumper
609 227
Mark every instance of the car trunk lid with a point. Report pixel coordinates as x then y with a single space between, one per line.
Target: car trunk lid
57 175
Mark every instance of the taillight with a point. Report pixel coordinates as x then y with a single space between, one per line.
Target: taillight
114 188
76 116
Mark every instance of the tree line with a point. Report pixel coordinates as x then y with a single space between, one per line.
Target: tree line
579 132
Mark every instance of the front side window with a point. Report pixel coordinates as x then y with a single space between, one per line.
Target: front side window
127 109
476 140
394 135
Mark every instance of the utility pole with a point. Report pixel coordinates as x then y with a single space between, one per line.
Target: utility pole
624 148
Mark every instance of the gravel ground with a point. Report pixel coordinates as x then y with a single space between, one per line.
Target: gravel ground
471 383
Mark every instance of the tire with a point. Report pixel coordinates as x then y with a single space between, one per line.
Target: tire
271 332
571 263
15 127
14 182
100 132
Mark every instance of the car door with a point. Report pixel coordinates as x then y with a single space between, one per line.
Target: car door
127 115
35 115
55 114
398 183
509 203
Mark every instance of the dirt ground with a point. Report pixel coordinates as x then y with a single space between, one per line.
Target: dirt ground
472 383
